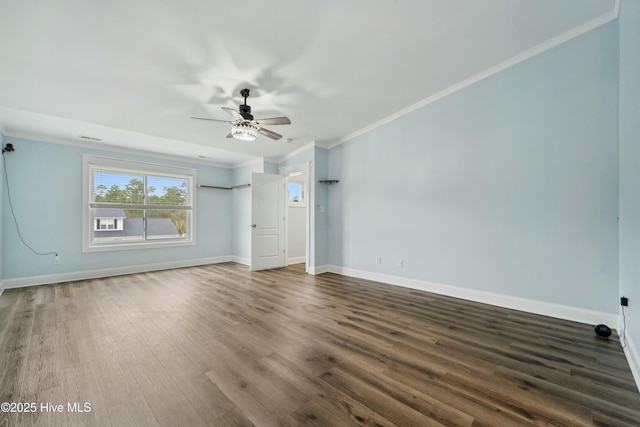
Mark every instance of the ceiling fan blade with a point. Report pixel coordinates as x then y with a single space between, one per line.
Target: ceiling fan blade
274 121
211 120
267 132
236 115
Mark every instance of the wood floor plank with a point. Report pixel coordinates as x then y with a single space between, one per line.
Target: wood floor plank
82 385
377 400
524 400
330 407
434 408
233 418
485 412
254 388
205 397
219 345
14 349
169 404
624 409
255 401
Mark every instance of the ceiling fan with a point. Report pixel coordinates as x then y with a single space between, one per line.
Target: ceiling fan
245 126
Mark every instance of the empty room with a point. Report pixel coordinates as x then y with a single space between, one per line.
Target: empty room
330 213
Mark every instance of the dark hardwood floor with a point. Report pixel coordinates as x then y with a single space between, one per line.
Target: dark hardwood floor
221 346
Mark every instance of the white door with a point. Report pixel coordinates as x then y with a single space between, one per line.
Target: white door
267 221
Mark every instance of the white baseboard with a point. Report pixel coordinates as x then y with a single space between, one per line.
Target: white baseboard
296 260
631 352
575 314
239 260
247 261
319 269
21 282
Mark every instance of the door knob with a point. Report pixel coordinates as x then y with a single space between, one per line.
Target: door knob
253 226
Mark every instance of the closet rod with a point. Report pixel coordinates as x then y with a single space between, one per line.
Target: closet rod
225 188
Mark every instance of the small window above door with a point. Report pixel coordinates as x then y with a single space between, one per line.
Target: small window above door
295 193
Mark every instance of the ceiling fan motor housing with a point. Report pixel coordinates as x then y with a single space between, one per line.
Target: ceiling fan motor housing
245 111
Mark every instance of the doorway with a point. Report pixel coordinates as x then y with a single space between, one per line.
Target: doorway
297 213
276 243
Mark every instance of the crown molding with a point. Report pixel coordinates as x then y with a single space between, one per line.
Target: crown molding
26 136
521 57
259 160
297 151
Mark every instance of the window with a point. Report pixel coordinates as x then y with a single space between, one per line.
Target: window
295 192
107 224
132 205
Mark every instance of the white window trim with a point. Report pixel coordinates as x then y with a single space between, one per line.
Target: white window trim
145 168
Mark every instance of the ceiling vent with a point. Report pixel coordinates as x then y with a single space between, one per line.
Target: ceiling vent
90 138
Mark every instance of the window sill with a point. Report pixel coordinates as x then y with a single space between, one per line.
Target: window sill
138 245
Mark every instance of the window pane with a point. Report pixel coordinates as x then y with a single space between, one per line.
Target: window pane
295 192
163 224
132 204
131 221
167 191
118 187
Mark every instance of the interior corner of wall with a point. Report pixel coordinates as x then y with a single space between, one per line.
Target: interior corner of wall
633 358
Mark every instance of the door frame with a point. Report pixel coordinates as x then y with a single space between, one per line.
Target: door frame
296 170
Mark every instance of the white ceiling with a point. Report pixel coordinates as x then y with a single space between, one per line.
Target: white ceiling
131 73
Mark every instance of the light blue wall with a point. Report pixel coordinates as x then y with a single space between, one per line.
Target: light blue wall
307 155
46 185
271 168
321 230
630 162
507 186
2 192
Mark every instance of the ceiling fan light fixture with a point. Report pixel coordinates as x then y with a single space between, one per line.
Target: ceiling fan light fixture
244 132
244 127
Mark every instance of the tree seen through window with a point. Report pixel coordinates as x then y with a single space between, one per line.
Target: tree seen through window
113 187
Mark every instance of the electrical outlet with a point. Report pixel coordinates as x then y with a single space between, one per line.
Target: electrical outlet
56 260
378 259
624 301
